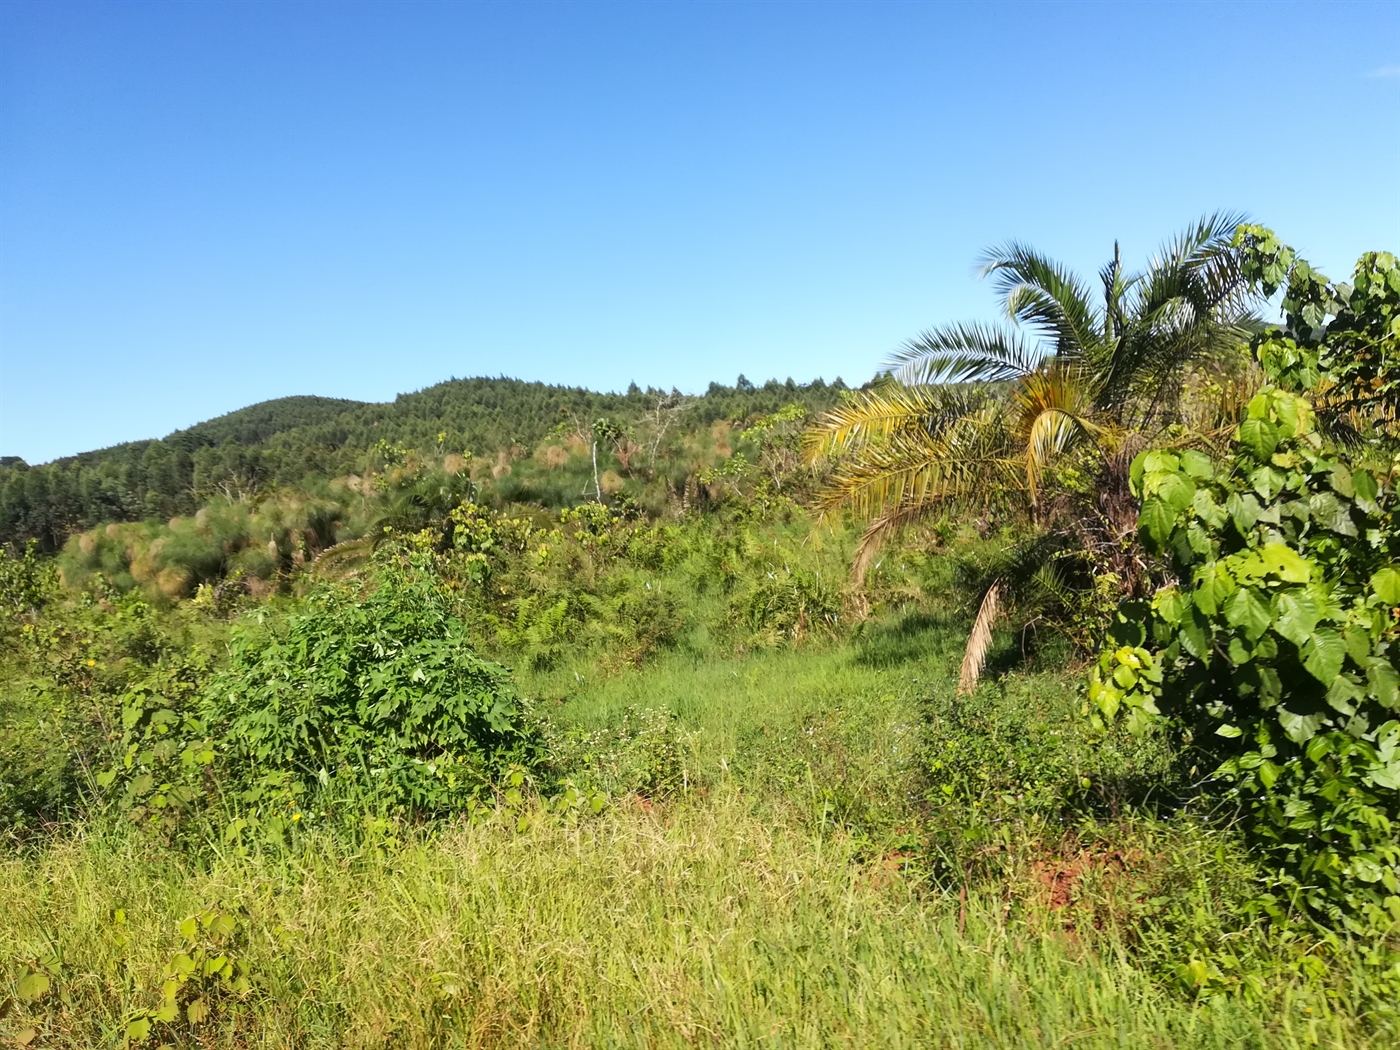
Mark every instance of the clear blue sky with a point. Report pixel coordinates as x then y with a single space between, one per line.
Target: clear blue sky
203 205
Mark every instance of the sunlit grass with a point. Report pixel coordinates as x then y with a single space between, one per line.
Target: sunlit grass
706 922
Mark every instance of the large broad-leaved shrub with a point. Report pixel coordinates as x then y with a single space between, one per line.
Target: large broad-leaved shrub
376 686
1274 652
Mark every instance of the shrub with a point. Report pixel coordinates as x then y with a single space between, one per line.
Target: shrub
1276 652
645 753
380 689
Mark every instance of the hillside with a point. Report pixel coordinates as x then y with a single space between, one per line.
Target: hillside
296 441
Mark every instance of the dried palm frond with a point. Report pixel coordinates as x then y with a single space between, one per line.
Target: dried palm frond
980 640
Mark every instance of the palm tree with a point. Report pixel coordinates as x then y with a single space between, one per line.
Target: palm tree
971 410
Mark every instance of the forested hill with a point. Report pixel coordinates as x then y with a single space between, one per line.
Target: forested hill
286 441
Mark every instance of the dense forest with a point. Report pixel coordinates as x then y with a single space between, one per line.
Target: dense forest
1042 691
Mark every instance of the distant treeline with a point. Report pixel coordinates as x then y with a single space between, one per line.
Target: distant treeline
289 440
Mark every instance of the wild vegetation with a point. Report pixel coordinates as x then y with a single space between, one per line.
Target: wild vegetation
1033 694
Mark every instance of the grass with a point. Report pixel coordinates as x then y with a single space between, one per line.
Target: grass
770 905
707 924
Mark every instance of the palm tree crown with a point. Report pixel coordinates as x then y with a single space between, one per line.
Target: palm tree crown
973 408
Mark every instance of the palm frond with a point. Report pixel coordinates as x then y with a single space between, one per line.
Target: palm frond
1045 296
964 352
905 473
1054 408
1198 243
979 640
881 529
873 416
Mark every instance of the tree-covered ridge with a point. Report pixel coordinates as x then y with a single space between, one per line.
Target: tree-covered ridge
295 441
262 421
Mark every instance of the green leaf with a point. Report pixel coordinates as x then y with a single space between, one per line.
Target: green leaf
1268 482
1171 605
1300 728
1212 513
1156 522
1260 437
1248 610
1270 685
1269 773
1323 654
1331 513
1358 644
1194 633
1213 587
1384 683
1176 491
34 987
1298 616
1244 510
1136 471
1386 584
139 1030
1238 652
1286 563
1345 693
1160 461
1196 463
1365 484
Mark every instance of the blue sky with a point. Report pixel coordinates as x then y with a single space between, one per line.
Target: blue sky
204 205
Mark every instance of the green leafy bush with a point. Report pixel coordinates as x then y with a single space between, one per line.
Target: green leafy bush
381 689
1276 652
645 753
1341 342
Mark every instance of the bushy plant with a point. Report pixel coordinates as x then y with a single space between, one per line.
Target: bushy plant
1275 651
27 582
377 685
64 675
645 753
171 560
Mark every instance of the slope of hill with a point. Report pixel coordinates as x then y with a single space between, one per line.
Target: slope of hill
286 441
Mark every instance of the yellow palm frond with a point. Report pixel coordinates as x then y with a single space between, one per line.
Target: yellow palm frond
1053 411
873 416
921 468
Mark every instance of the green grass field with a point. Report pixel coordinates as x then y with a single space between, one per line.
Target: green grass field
778 893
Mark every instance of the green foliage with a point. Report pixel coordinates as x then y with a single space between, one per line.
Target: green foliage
161 768
261 543
295 764
61 695
1011 761
1340 342
378 687
205 975
248 455
1276 653
644 752
788 603
26 583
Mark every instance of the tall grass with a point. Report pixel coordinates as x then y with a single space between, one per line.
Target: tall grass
709 922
